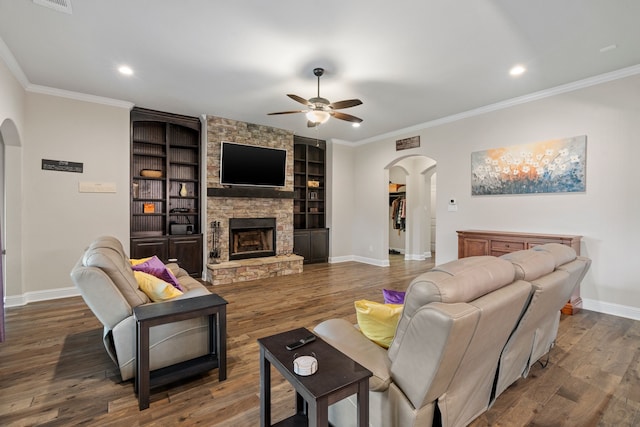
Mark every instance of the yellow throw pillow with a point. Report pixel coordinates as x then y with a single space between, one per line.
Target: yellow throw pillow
138 261
156 289
378 321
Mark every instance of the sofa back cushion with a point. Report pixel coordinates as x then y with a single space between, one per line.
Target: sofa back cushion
108 254
562 254
458 281
530 265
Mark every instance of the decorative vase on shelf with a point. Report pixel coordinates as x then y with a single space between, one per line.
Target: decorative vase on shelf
183 190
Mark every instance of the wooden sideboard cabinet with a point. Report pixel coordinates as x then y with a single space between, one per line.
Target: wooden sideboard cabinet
497 243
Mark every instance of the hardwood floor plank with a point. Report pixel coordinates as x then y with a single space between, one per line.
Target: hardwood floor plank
54 370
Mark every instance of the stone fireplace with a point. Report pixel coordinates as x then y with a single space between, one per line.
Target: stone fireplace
252 237
247 252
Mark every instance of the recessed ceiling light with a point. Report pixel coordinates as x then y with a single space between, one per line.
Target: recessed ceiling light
126 70
517 70
355 125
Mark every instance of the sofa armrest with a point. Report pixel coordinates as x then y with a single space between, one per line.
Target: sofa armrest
101 295
176 270
346 338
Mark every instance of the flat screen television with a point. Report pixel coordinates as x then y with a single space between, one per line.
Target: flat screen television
242 164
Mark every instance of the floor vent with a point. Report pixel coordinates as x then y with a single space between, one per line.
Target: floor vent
59 5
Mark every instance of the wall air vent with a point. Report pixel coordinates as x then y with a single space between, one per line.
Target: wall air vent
59 5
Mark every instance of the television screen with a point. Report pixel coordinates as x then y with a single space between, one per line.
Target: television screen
242 164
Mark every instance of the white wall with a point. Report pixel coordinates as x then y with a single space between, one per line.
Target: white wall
58 220
606 215
340 200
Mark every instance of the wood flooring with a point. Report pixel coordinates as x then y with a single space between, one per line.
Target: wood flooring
54 370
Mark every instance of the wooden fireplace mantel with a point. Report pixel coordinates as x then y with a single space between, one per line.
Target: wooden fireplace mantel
496 243
249 192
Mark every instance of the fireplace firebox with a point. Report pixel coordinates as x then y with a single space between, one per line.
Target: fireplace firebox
252 237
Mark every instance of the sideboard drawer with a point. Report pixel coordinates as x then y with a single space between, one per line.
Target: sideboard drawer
506 246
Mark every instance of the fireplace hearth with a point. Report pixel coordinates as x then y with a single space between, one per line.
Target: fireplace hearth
252 238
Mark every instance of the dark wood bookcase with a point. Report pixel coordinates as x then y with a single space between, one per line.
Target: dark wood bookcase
311 237
165 188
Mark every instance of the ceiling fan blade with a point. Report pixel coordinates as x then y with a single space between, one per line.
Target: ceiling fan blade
311 124
345 104
347 117
287 112
300 99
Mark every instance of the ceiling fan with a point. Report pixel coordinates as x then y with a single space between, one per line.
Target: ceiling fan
320 109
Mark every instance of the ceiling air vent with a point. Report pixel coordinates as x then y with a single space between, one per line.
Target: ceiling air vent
59 5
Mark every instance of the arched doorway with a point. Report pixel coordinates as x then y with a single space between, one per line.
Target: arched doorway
9 143
412 207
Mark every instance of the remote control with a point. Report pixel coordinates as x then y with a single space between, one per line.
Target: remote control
301 342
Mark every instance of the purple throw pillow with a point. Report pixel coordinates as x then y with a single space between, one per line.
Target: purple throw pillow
156 268
393 297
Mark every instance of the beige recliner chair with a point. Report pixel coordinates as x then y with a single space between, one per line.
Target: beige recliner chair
107 283
554 271
442 362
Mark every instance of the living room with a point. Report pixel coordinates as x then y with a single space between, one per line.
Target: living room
47 222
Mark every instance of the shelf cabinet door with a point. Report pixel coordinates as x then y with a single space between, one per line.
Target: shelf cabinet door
149 246
187 252
312 245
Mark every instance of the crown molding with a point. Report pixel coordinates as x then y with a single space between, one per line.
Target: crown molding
12 64
46 90
569 87
16 70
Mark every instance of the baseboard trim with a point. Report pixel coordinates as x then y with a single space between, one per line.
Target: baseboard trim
339 259
611 308
414 257
372 261
27 297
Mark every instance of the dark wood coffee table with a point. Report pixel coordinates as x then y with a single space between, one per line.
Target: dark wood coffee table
337 377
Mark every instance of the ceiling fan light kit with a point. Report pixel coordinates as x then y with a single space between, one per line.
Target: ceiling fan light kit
321 109
317 116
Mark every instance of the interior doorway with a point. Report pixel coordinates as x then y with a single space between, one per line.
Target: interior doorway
411 215
10 209
2 225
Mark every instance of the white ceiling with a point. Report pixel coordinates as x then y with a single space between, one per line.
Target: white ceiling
409 61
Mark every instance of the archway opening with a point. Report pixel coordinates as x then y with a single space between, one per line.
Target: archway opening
412 187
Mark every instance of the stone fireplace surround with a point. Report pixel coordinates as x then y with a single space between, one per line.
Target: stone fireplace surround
224 203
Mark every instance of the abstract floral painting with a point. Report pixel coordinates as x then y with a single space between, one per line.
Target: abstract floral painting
555 166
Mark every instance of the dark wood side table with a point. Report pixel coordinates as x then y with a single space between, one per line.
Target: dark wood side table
146 316
337 377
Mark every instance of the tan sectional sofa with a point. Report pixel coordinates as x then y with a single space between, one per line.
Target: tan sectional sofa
106 282
468 330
